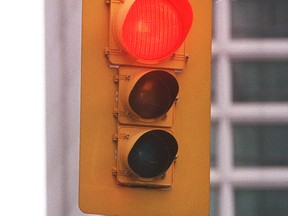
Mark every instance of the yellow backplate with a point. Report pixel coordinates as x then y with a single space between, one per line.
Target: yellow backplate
98 191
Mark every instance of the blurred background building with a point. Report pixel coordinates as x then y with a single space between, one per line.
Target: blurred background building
249 136
249 113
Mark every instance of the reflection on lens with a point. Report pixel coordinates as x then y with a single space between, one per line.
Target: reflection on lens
153 153
153 94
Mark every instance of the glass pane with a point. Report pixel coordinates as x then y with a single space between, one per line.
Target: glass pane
213 141
260 145
213 201
261 202
260 81
259 18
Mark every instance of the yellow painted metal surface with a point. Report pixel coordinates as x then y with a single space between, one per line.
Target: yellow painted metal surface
98 191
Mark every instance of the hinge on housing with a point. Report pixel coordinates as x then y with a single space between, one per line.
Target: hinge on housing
117 136
115 113
180 57
116 78
106 51
116 51
107 55
114 1
113 66
114 171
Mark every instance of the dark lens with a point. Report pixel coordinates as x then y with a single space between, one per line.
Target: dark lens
153 153
153 94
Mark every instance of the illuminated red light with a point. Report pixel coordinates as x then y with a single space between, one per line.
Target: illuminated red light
155 29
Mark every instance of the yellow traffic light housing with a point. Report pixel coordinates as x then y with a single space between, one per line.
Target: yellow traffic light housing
145 157
145 107
146 97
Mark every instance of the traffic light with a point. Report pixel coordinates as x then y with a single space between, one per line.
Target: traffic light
145 107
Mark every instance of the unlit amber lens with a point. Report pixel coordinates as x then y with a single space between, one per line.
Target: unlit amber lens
153 94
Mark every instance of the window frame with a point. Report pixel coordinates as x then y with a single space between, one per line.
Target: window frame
224 112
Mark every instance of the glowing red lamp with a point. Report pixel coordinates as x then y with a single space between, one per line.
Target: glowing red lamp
152 30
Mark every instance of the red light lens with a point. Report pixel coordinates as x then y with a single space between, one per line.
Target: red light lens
155 29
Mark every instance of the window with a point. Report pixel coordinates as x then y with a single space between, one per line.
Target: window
249 130
260 80
259 18
264 202
260 145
